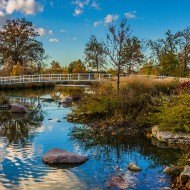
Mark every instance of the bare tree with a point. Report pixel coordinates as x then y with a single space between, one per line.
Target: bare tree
122 49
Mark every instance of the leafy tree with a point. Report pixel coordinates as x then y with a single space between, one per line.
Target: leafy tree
55 67
94 54
160 47
122 49
18 42
149 69
133 53
169 65
184 54
76 67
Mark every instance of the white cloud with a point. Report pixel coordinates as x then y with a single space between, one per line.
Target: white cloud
110 18
24 6
74 38
80 5
97 23
41 31
130 15
54 40
78 12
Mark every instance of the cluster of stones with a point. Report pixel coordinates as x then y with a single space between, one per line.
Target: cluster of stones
183 176
177 140
124 181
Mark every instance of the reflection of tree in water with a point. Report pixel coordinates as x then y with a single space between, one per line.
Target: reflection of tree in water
68 91
108 142
55 93
18 127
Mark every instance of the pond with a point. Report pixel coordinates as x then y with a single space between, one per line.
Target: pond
25 139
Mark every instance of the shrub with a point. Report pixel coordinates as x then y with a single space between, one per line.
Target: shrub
132 104
174 113
3 100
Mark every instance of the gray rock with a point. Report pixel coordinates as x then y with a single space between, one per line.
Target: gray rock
185 175
58 156
67 100
175 140
132 166
168 170
17 108
118 182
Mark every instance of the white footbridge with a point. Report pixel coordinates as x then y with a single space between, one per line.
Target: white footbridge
54 78
77 77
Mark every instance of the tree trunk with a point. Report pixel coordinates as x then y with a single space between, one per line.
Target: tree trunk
118 83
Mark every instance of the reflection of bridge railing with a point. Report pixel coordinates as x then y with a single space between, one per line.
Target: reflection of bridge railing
80 77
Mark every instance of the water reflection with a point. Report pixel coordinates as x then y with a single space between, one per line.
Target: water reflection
17 128
24 139
102 143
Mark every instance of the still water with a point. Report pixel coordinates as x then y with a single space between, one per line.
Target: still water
25 139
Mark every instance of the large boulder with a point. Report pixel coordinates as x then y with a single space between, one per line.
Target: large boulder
17 108
58 156
133 167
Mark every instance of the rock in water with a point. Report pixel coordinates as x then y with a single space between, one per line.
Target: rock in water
118 182
132 166
67 100
58 156
17 108
185 175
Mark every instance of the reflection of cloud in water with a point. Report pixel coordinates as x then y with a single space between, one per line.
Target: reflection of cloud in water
54 180
28 174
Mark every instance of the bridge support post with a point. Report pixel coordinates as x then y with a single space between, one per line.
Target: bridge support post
78 76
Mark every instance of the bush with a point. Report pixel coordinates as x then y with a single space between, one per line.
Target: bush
174 113
132 104
3 100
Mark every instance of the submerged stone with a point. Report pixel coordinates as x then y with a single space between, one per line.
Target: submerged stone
17 108
132 166
118 182
58 156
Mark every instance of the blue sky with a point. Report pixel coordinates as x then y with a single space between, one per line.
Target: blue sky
66 25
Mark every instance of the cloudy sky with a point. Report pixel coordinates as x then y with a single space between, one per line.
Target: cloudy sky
66 25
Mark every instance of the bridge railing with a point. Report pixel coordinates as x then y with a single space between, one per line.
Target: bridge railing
74 77
54 78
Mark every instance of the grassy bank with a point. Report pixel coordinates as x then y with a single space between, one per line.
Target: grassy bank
134 103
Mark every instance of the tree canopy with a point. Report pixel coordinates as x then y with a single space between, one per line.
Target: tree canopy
122 49
18 43
95 54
